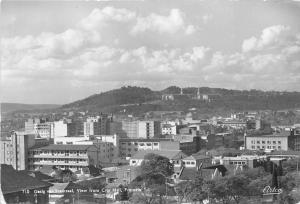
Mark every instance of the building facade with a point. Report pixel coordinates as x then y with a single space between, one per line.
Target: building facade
73 157
267 142
130 146
14 150
141 129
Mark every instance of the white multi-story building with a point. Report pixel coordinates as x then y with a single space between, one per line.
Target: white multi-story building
267 142
73 157
141 129
42 130
59 129
168 128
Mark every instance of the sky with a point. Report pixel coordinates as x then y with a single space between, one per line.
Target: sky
61 51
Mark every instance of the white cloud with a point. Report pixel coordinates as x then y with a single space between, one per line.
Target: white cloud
171 23
190 30
206 18
271 36
98 18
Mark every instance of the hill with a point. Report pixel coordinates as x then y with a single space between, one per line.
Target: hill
138 100
11 107
123 96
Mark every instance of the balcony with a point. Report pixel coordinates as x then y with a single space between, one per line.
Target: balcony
51 163
84 156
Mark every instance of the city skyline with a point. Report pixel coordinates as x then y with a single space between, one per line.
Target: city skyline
59 52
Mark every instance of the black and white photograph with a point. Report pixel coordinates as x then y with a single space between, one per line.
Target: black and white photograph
150 101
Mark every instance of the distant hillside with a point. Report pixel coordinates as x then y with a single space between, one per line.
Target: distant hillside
11 107
123 96
140 100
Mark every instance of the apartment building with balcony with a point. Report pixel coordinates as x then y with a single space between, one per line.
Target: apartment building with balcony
73 157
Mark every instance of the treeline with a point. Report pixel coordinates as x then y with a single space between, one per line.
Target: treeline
144 99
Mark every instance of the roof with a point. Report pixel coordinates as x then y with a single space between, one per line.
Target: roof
14 181
170 154
197 157
188 174
270 135
191 173
65 147
144 140
37 174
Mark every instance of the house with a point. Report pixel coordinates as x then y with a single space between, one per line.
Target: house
175 156
195 161
18 187
207 173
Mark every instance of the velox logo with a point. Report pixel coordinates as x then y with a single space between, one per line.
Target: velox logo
268 190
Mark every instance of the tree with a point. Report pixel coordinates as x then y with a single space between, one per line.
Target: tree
237 186
64 176
198 192
154 171
183 190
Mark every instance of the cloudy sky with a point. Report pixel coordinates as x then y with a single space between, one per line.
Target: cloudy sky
58 52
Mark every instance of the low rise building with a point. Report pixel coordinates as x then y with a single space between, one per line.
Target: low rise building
197 161
251 161
175 156
130 146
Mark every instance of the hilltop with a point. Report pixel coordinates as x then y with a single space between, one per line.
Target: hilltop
141 100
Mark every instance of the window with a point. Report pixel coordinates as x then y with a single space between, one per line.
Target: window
193 163
258 142
155 143
269 142
252 147
258 147
279 147
148 144
279 142
274 142
129 143
133 162
263 142
142 144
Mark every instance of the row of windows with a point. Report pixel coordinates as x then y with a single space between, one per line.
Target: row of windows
264 142
232 162
141 144
263 147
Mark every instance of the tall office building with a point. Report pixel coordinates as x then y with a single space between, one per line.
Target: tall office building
141 129
14 150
